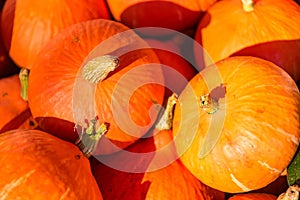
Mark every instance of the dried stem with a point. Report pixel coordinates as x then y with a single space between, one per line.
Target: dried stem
97 69
209 104
90 137
292 193
165 122
248 5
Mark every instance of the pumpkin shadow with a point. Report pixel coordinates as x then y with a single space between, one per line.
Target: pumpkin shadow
120 175
280 52
163 14
201 57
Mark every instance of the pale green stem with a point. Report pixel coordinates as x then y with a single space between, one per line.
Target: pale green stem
23 76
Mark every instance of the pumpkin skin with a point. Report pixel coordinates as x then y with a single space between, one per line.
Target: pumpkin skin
14 111
45 168
171 14
267 32
173 181
260 99
253 196
170 55
59 62
33 23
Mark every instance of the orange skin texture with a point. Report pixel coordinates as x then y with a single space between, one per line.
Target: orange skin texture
36 165
173 181
260 100
253 196
169 53
33 23
268 32
13 109
173 14
52 80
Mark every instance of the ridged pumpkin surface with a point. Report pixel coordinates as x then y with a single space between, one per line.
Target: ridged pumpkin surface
121 99
172 181
251 136
33 23
270 31
36 165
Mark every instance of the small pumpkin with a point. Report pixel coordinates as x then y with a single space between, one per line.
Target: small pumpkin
171 14
231 117
35 164
108 57
262 28
28 25
253 196
149 169
14 111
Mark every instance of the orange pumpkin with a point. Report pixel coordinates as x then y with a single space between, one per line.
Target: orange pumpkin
231 117
14 111
172 14
253 196
56 96
149 169
28 24
261 28
35 164
177 70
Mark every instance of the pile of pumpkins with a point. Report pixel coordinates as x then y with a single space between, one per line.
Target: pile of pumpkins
149 100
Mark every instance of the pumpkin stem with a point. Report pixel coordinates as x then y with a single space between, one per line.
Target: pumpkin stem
165 122
23 76
97 69
209 104
248 5
90 137
292 193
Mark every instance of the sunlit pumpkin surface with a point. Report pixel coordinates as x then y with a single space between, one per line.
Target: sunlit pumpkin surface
36 165
253 133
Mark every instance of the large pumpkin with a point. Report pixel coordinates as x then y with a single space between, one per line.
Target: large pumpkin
127 98
236 124
173 14
28 24
36 165
149 170
261 28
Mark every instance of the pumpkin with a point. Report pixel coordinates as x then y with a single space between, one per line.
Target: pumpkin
260 28
7 67
253 196
127 95
230 124
149 169
177 68
14 111
29 24
276 187
34 166
171 14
